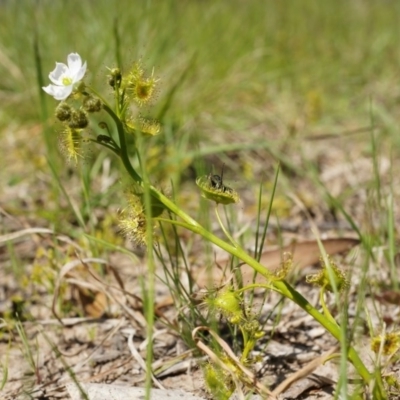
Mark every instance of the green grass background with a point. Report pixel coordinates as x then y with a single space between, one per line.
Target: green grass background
249 60
235 76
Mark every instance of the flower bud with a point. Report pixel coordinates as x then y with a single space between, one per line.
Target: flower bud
78 120
92 104
259 334
252 326
115 78
63 112
228 303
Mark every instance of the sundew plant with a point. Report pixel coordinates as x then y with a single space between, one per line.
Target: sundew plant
124 132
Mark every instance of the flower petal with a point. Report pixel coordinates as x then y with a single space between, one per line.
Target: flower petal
58 92
59 71
80 74
74 63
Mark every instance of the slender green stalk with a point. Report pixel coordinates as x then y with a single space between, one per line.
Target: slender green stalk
117 39
327 313
227 234
249 345
271 201
122 143
150 281
27 351
392 242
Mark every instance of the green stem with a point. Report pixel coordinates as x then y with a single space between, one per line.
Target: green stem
280 286
249 343
247 349
227 234
327 313
122 144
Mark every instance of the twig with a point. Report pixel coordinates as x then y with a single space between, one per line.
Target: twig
140 360
306 370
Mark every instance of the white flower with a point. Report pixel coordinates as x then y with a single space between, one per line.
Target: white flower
64 77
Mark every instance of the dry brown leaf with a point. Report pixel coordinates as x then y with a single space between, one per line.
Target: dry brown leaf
304 254
94 303
388 296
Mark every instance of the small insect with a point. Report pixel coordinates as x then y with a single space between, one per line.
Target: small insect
216 182
212 188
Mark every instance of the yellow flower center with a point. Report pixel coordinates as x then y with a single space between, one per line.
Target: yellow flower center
66 81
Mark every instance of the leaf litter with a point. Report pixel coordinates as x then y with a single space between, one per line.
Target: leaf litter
105 345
